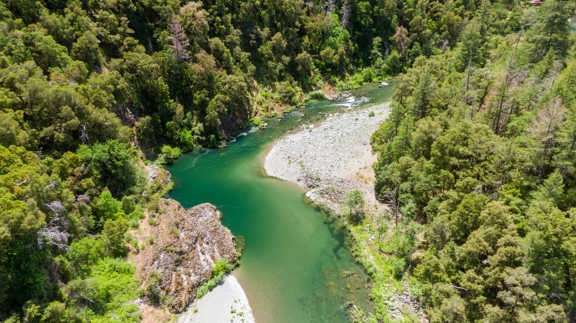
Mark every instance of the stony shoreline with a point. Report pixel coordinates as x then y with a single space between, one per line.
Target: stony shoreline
331 159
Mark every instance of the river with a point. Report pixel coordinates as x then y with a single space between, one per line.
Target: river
296 267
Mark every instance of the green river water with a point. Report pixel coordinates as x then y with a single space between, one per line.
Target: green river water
296 267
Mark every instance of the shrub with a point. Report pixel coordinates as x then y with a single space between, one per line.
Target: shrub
221 267
169 154
399 267
114 233
85 253
355 205
113 165
317 95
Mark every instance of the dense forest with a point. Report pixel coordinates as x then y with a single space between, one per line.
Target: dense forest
479 147
86 86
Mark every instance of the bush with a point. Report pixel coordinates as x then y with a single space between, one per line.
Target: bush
107 207
151 289
258 123
112 288
114 233
169 154
55 312
85 253
204 289
317 95
399 267
129 204
221 267
113 165
355 205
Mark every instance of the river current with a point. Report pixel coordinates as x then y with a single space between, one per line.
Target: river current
296 266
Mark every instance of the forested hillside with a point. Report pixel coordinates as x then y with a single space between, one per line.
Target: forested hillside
480 148
86 85
188 73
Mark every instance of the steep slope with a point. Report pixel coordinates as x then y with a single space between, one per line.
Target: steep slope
181 249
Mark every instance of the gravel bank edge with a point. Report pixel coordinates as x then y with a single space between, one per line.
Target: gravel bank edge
226 303
331 159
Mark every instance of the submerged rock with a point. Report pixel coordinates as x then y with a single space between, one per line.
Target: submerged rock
181 247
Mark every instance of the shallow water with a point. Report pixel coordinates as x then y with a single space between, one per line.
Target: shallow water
296 267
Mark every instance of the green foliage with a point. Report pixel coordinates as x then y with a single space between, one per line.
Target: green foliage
477 154
86 49
472 51
110 288
355 205
317 95
112 165
85 84
548 29
114 233
55 312
169 154
85 253
151 289
221 268
107 207
46 205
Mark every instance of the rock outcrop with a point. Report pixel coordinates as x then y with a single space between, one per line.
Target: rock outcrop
179 249
157 177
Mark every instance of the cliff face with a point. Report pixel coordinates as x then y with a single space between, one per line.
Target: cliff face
180 250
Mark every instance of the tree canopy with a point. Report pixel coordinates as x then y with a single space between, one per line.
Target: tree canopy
477 148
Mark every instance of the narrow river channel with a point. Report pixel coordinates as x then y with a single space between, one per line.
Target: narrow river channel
296 268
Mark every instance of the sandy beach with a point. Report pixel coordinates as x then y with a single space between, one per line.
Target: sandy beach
226 303
331 159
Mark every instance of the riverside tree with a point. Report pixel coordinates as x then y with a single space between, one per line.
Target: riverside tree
488 177
355 203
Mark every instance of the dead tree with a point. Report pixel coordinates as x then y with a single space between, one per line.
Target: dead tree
347 14
180 42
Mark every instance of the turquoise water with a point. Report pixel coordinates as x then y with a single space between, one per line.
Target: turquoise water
296 267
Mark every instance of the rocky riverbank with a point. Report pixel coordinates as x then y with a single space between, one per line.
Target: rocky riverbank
179 251
331 159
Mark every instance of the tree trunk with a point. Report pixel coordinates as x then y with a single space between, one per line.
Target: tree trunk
570 153
467 88
347 14
507 81
396 206
496 124
331 6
